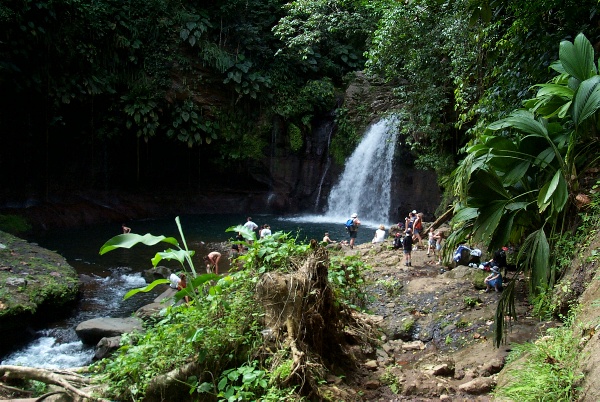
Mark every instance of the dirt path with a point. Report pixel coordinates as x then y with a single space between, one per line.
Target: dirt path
438 330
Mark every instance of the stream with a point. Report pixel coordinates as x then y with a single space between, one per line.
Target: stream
105 279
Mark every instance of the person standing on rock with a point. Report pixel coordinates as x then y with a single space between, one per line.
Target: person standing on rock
353 230
251 226
418 228
407 244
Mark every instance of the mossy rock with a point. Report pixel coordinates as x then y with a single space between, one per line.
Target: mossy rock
474 275
31 277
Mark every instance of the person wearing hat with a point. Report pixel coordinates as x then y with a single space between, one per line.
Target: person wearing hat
379 235
493 280
354 230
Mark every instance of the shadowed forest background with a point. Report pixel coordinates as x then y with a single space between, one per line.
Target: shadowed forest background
111 96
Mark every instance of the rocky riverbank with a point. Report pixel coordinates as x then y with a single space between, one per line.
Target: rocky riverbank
437 331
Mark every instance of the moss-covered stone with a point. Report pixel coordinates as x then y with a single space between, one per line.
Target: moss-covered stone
32 277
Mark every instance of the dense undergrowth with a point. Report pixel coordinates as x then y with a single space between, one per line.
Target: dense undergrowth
547 369
219 338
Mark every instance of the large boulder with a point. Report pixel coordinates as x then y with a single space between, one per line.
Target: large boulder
92 331
35 285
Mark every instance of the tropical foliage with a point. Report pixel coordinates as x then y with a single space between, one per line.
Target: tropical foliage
518 181
217 334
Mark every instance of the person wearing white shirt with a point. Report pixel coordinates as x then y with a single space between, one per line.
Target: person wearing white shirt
379 235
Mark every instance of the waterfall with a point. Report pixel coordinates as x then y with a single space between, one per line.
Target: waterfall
364 186
329 127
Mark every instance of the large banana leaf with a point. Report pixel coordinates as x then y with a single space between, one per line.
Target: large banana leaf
131 239
180 255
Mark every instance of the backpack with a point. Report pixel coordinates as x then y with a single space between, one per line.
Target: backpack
350 224
419 225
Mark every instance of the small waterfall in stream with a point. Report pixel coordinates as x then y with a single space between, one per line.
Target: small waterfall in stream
364 186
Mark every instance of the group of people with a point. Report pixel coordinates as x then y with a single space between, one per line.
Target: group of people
412 238
265 229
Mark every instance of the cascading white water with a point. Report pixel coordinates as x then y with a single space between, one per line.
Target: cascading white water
364 186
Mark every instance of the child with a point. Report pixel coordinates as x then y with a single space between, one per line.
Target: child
182 284
430 242
493 280
407 247
397 243
437 236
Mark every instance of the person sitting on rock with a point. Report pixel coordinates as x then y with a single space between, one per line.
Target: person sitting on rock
327 239
379 235
493 280
397 243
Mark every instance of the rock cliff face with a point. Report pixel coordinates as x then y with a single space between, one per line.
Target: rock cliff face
282 182
302 182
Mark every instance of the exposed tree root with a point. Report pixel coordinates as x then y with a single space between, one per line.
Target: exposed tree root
301 312
68 380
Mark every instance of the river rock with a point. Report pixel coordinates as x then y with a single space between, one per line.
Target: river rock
160 272
477 386
92 331
106 346
149 310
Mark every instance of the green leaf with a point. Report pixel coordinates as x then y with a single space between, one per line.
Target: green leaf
145 289
562 91
129 240
545 196
516 173
523 121
202 279
537 252
554 192
587 100
465 214
488 220
561 195
245 232
578 58
179 255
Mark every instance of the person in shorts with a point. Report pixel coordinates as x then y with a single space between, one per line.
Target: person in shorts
354 230
407 244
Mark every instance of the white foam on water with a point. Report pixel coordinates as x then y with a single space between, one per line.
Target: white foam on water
57 347
46 352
